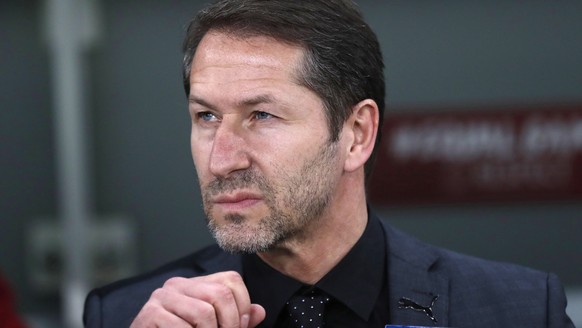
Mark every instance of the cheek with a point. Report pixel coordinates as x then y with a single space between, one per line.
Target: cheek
200 159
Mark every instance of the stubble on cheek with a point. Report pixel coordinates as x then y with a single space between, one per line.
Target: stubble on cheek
238 233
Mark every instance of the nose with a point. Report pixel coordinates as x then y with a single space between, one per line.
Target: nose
229 150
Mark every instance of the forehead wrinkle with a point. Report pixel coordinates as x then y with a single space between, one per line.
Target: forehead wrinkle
243 102
210 97
219 45
256 100
211 76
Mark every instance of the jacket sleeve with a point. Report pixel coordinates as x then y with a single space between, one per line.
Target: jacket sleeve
92 311
557 317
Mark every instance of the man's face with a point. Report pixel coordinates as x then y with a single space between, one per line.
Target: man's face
259 141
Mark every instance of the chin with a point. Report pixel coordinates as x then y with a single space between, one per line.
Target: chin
240 238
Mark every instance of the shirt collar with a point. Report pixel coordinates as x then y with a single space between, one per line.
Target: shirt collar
356 280
362 269
267 287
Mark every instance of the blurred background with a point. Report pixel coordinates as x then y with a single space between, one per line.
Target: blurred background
96 178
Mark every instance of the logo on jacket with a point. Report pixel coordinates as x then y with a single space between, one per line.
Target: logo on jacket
407 303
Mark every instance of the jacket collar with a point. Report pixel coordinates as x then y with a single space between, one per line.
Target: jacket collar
216 260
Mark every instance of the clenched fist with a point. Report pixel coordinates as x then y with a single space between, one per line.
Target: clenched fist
217 300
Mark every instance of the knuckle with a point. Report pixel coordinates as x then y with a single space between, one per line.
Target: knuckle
233 276
150 310
159 294
206 312
174 281
223 292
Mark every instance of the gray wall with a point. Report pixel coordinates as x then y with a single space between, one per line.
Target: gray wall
27 179
454 53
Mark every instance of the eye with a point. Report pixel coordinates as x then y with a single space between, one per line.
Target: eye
206 116
262 115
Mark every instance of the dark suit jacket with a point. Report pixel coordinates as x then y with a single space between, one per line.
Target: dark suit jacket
472 292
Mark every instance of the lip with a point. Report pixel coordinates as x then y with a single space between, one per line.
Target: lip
236 201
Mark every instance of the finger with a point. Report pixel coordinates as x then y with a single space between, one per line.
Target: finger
238 289
154 314
159 319
257 315
195 312
225 291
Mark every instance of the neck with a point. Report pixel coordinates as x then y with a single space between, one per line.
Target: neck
311 254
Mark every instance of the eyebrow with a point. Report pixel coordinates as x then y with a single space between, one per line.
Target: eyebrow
249 102
200 101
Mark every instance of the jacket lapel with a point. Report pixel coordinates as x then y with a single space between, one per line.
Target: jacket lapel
216 260
415 282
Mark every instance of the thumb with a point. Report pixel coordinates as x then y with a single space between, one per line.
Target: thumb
257 315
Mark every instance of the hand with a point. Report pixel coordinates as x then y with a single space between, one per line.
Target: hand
216 300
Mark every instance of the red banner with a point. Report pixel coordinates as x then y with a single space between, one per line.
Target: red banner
515 154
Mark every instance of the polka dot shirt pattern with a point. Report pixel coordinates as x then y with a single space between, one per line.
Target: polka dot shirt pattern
307 311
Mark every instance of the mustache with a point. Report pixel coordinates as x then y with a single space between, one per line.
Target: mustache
237 180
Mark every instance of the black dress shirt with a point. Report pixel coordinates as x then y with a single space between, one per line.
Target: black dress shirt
357 285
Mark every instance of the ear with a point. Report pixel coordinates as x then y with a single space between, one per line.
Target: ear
362 127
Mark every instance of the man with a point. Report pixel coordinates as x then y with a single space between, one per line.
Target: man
286 99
